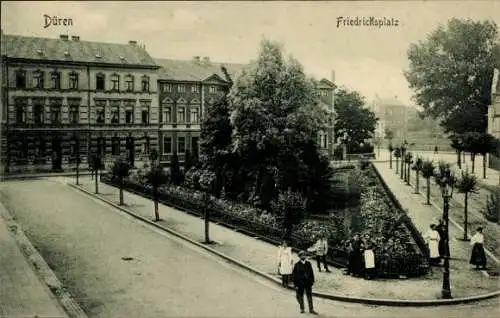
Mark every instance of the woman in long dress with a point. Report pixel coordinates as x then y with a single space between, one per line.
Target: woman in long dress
285 263
478 257
432 238
369 257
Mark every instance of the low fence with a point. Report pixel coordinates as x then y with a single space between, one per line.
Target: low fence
387 266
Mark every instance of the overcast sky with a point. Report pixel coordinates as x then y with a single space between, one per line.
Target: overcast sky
368 59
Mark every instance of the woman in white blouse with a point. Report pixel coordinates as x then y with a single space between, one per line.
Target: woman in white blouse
478 258
285 263
432 238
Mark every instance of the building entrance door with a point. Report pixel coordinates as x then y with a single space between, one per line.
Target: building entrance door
56 154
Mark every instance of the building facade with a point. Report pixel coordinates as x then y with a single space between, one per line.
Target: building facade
187 88
326 137
494 112
64 99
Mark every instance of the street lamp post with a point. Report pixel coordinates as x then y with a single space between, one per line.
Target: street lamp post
446 184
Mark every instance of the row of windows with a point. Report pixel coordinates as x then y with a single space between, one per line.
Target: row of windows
54 114
75 146
194 117
181 88
181 144
38 81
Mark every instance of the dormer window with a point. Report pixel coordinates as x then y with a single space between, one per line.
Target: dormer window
212 89
66 53
40 52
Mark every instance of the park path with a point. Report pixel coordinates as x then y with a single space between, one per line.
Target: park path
423 215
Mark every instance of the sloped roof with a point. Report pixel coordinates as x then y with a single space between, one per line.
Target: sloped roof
49 49
194 71
324 83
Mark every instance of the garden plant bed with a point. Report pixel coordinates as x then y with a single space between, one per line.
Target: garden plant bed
397 254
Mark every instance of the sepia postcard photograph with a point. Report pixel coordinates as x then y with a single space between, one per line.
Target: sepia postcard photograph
250 159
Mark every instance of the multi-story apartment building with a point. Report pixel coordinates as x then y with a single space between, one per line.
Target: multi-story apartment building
64 98
187 88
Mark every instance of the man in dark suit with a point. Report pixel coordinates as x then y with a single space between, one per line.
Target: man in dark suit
303 279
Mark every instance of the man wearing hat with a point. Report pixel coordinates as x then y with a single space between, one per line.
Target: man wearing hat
303 279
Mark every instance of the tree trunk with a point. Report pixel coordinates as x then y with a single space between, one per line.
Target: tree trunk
463 156
408 175
428 191
91 174
473 157
207 224
402 166
465 216
96 181
157 214
484 166
417 185
397 165
77 172
390 160
459 162
121 193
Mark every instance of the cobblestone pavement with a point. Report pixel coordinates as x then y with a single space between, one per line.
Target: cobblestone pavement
84 241
22 294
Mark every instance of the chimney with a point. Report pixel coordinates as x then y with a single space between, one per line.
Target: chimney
64 37
206 60
75 38
196 59
333 76
132 42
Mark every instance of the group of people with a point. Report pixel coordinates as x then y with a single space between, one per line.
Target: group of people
437 248
361 257
301 273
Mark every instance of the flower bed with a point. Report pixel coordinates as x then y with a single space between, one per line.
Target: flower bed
397 254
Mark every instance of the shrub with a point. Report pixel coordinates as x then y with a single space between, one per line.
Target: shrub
289 206
492 210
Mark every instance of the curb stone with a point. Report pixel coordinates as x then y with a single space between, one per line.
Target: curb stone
367 301
41 268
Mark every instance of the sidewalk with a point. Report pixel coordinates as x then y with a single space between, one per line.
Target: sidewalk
423 215
262 256
22 294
